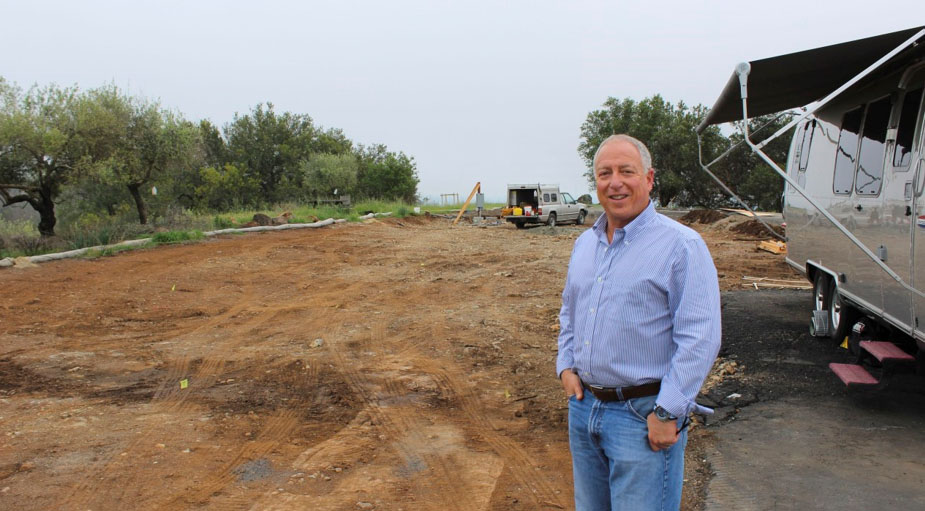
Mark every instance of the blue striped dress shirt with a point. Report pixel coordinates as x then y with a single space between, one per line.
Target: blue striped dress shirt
642 308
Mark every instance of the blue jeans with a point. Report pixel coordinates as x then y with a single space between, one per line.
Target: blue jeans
613 465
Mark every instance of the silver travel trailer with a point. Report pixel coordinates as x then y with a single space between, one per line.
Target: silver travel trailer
853 198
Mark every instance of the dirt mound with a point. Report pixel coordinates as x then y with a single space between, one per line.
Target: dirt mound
756 228
408 220
703 216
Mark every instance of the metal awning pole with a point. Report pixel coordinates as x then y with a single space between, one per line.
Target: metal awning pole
706 167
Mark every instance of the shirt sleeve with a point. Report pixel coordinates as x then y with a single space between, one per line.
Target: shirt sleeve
565 359
694 300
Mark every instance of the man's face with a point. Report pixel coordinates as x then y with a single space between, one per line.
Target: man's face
623 185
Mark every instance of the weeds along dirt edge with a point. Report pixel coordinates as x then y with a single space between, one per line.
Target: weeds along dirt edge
106 249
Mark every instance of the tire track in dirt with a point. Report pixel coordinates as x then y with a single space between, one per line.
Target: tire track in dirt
169 397
442 488
277 429
522 466
444 468
449 380
395 421
449 383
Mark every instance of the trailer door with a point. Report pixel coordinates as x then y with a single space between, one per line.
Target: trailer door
916 157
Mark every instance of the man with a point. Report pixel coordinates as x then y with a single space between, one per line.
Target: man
640 328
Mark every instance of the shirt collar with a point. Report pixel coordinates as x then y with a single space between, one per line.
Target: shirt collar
632 229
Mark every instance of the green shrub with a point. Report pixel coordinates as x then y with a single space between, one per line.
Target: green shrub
176 236
107 233
10 233
177 218
219 222
25 245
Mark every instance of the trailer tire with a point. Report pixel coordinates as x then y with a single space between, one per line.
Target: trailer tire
821 292
842 316
552 220
520 225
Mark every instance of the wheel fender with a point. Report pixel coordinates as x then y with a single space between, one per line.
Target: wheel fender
813 268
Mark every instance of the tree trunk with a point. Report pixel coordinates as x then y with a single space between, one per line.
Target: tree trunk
139 203
665 197
46 208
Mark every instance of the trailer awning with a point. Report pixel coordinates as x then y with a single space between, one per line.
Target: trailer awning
796 79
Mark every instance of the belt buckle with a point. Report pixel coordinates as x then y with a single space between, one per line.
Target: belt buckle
596 387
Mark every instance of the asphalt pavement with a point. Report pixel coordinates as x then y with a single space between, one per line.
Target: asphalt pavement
788 435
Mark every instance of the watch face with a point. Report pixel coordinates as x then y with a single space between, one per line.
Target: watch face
663 414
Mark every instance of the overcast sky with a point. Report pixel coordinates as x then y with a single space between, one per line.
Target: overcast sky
486 91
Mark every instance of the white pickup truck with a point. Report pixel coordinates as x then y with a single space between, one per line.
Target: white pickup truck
542 204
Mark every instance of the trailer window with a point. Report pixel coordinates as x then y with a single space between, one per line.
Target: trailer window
847 151
873 148
807 144
902 156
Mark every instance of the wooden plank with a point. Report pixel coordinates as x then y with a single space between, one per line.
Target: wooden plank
768 280
466 205
774 247
757 285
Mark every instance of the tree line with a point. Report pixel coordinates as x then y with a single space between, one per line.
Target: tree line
669 131
102 149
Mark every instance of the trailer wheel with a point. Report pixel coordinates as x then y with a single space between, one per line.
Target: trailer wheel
552 220
841 315
821 292
520 225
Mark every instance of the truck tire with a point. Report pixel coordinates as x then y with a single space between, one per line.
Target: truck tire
581 218
552 220
842 316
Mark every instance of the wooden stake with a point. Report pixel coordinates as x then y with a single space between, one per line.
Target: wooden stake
466 205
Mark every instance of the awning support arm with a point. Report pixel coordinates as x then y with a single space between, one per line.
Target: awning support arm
706 168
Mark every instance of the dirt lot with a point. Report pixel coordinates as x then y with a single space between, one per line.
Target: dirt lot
399 364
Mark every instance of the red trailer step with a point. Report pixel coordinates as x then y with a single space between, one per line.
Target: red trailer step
853 375
886 351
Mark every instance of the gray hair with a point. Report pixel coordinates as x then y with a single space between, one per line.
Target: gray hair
644 154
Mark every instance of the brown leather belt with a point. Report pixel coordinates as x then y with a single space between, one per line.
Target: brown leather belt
623 393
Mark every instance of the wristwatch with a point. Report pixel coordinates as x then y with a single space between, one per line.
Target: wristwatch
663 415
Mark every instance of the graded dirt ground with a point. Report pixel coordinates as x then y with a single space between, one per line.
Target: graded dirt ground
396 364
